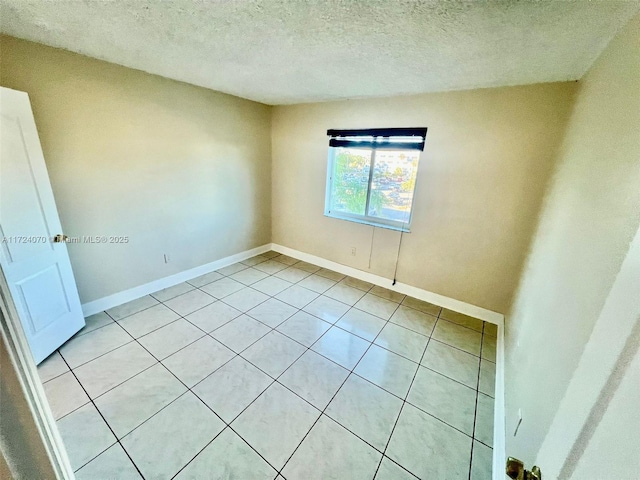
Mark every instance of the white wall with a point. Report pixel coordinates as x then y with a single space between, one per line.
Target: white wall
589 217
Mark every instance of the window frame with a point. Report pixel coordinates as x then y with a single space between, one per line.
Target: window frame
367 219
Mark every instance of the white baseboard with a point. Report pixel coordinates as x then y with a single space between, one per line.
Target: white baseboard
415 292
446 302
119 298
116 299
499 412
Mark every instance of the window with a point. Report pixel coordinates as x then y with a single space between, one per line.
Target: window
371 176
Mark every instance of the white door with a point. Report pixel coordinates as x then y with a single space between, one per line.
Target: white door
595 432
37 269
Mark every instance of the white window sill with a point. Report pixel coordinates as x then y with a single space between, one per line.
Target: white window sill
373 223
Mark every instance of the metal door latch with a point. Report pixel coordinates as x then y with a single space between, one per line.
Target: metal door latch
516 470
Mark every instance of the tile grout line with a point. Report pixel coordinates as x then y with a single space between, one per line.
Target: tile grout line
248 285
158 361
179 396
429 337
404 402
238 354
108 426
352 371
272 329
334 395
189 389
358 375
275 380
475 415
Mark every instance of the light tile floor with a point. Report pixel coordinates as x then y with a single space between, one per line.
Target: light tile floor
274 368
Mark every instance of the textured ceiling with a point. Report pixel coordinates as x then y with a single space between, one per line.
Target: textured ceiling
281 52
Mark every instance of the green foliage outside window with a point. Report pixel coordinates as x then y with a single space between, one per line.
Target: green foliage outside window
351 180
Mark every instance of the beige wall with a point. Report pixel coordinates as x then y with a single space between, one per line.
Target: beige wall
481 178
179 169
589 217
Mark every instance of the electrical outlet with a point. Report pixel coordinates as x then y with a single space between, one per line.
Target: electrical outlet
353 251
166 258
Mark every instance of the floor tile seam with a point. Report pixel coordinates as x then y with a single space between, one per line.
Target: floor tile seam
133 313
417 309
201 450
276 379
193 287
450 378
258 320
160 327
354 433
96 357
439 419
288 265
326 406
156 413
179 380
254 264
161 409
331 323
107 424
73 411
351 371
201 329
94 457
411 329
59 375
291 282
205 334
463 326
228 424
400 466
156 362
258 281
215 299
256 305
81 333
180 349
457 348
352 333
235 354
384 298
307 348
404 400
475 413
155 329
229 276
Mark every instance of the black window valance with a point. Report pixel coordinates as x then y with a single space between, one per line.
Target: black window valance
379 138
